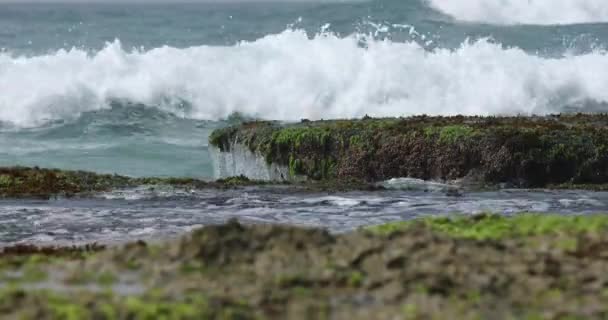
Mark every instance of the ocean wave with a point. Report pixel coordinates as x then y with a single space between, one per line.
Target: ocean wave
289 76
540 12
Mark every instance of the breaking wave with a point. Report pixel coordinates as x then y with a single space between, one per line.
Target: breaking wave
541 12
289 76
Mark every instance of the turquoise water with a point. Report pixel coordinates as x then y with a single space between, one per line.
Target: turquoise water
136 89
35 29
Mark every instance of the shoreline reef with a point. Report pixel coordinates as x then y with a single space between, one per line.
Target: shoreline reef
468 267
557 151
34 182
46 183
526 266
568 151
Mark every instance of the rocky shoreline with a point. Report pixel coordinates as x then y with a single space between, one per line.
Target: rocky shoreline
26 182
549 151
43 183
526 267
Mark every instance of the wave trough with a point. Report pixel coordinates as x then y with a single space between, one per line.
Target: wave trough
289 76
540 12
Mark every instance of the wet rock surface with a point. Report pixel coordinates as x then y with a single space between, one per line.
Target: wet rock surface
517 151
44 183
532 266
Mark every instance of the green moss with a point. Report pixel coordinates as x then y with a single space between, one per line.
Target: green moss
485 227
106 278
218 138
139 309
355 141
295 166
19 182
356 279
36 182
298 137
522 151
5 181
108 311
302 291
455 133
292 280
449 134
237 181
34 273
429 268
567 243
410 312
473 297
21 304
431 132
63 309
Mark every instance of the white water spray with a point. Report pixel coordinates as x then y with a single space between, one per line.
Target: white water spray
289 77
541 12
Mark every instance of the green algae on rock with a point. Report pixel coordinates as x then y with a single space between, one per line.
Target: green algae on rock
490 226
36 182
24 182
434 268
20 182
520 151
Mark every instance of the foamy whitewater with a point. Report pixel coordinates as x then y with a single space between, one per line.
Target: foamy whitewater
137 89
289 77
543 12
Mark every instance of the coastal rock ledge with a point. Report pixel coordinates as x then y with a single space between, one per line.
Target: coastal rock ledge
518 151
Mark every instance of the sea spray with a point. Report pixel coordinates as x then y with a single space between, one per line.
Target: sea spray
289 76
542 12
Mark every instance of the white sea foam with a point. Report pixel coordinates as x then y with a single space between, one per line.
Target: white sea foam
417 184
289 76
541 12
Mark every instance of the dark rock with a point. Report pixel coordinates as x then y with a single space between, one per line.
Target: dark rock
519 151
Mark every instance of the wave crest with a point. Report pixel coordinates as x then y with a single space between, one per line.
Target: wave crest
289 76
541 12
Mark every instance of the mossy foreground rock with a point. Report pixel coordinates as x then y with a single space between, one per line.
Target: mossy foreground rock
521 151
530 267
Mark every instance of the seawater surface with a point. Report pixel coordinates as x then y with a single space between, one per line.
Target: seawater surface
137 88
144 213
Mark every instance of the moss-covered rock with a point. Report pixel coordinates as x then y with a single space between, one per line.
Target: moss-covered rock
528 266
521 151
489 226
37 182
20 182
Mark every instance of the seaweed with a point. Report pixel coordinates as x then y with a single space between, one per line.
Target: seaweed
25 182
518 151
